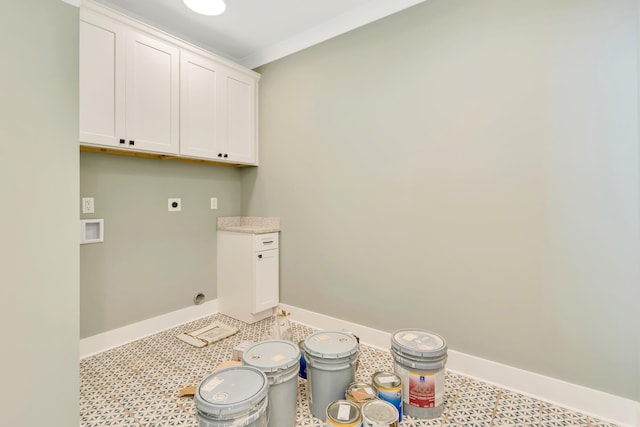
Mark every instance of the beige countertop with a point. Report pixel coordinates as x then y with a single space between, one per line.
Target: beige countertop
248 224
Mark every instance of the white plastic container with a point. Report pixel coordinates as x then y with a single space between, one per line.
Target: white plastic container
419 359
233 397
331 359
280 361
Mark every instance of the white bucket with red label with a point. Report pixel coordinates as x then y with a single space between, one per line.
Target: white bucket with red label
419 360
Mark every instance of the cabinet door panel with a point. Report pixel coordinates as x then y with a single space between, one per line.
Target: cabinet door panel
240 105
101 81
267 280
199 112
152 94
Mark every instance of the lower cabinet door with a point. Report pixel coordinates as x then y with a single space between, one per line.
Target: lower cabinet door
266 292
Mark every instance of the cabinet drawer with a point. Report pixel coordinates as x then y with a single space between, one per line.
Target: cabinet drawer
266 241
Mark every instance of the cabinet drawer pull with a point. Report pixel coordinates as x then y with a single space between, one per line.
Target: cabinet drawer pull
260 256
131 142
122 141
268 242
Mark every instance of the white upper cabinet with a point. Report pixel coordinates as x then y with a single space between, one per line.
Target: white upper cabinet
102 80
152 94
217 111
200 114
142 90
129 87
239 102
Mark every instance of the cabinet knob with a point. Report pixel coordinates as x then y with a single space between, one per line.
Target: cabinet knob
122 141
225 156
131 142
219 154
260 256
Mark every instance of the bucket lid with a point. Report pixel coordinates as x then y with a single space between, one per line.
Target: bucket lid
380 412
386 379
331 344
343 411
272 355
231 390
418 342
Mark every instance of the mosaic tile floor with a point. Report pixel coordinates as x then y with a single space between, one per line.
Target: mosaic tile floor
138 384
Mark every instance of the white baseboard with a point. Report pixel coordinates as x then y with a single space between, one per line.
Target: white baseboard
607 407
126 334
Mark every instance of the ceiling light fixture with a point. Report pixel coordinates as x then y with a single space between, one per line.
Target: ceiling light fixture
206 7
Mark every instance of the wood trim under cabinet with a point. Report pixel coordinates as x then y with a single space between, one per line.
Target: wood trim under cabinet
158 156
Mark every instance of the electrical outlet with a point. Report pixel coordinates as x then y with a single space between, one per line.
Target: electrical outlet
174 205
88 206
214 203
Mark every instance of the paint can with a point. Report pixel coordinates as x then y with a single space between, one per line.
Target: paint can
280 361
331 358
389 387
379 413
343 413
303 363
360 393
233 397
419 359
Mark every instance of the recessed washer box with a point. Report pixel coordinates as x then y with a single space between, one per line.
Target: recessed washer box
91 231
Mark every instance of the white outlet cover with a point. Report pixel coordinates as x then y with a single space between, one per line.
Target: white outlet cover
177 207
88 206
214 203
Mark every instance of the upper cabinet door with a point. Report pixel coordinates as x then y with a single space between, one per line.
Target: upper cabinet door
240 104
152 94
200 115
102 71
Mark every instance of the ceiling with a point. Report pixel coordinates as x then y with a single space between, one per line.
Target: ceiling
255 32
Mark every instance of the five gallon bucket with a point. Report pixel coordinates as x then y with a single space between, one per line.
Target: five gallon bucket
331 358
419 359
233 397
280 361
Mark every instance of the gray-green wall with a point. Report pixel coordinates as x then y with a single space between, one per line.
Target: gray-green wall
152 261
469 167
39 307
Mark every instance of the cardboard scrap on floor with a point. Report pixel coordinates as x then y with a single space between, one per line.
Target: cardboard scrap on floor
206 335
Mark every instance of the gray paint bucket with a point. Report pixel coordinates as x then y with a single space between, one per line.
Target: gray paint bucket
343 413
379 413
233 397
280 361
331 358
419 359
389 387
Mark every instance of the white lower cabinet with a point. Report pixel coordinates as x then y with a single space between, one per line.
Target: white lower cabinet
248 275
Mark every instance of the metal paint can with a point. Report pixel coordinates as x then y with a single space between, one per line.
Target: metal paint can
419 359
343 413
379 413
360 393
389 387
